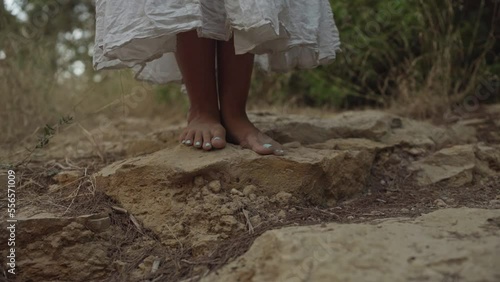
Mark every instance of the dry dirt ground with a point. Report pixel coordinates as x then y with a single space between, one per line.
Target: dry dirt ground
359 196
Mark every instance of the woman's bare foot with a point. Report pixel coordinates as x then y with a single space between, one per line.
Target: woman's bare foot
204 131
196 59
234 75
241 131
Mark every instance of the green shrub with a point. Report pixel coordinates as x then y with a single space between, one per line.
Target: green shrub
423 52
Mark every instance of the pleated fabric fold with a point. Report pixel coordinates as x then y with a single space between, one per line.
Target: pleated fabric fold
284 34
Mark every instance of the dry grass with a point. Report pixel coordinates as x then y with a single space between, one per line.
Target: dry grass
28 108
446 83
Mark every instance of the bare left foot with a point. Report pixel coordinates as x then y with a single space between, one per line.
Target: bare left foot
242 132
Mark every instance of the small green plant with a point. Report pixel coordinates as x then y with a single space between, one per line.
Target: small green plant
50 130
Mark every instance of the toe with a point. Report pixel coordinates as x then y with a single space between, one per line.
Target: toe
189 138
263 149
182 137
207 141
219 139
264 145
198 139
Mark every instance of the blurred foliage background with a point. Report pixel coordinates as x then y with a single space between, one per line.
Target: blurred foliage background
418 58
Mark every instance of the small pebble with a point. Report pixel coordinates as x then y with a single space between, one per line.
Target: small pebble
282 214
283 198
495 204
252 197
273 218
205 191
199 181
376 213
256 220
416 151
249 189
350 217
405 210
440 203
215 186
228 220
236 192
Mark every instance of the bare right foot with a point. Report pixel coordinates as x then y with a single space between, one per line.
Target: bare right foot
205 131
196 59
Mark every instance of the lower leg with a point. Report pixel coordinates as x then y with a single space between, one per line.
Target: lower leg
196 59
234 77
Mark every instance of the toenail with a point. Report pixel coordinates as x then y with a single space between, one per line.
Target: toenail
217 138
188 142
267 146
197 144
183 142
208 145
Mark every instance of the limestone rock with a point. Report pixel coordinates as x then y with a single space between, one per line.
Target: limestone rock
351 144
141 147
454 165
488 159
159 190
458 165
368 124
382 127
433 247
55 248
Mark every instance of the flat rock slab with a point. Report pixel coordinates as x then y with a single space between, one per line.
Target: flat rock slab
161 189
457 166
446 245
320 175
351 144
383 127
52 248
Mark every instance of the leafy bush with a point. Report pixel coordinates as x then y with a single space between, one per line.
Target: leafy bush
425 54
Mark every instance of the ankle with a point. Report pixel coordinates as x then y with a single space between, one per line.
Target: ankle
203 113
233 114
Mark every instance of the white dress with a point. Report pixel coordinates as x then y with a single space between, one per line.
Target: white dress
284 34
